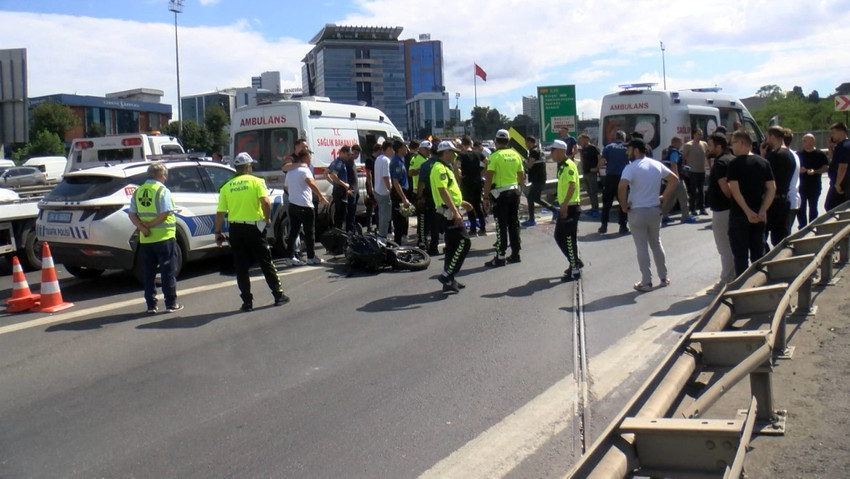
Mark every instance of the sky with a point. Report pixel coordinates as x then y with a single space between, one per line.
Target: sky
92 47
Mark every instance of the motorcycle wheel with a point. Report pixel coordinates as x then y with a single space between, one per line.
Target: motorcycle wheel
413 259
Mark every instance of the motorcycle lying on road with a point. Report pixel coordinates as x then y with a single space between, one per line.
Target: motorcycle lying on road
370 252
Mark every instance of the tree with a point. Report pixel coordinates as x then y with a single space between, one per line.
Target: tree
486 121
45 143
216 122
195 137
524 124
799 114
813 97
769 91
95 129
53 117
797 91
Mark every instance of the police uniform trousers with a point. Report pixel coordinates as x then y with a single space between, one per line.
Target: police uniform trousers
457 245
249 245
566 233
506 211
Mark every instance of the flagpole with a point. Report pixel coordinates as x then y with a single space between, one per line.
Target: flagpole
475 83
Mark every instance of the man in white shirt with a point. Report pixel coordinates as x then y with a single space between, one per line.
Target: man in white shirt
643 175
301 186
383 186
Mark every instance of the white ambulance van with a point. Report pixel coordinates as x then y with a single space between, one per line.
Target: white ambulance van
115 149
660 115
268 132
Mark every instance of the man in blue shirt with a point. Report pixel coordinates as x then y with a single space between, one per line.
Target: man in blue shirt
398 178
614 161
343 190
564 135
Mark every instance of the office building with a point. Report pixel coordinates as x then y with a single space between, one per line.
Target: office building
358 65
195 106
531 108
131 111
269 81
423 66
428 114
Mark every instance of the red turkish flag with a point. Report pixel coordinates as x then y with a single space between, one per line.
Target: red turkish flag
480 72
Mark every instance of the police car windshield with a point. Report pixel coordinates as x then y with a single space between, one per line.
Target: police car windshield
89 187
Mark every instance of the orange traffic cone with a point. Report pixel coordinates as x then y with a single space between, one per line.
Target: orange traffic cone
22 299
51 297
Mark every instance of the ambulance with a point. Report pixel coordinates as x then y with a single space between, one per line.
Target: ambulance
115 149
268 132
660 115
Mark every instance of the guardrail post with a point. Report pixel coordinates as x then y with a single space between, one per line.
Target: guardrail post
826 270
804 299
768 421
844 251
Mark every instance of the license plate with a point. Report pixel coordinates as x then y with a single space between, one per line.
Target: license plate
59 216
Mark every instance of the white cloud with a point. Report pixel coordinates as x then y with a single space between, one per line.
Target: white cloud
209 2
126 54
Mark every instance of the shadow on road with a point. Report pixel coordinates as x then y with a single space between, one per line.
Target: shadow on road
95 323
403 303
533 286
186 322
686 306
609 302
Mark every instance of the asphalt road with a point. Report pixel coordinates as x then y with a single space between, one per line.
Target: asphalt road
362 376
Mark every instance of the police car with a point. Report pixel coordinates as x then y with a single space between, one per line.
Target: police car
85 221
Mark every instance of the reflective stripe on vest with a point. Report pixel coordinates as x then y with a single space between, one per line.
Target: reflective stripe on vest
146 198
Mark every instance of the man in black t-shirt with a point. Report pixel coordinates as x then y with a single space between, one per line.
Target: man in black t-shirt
839 176
536 168
369 201
468 167
813 164
782 163
752 189
590 172
718 197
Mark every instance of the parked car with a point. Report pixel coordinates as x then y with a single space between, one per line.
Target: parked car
23 176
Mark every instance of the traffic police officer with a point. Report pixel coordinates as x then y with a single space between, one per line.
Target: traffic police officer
566 226
503 177
152 212
246 202
448 202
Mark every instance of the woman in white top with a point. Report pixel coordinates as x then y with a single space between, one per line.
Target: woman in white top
301 186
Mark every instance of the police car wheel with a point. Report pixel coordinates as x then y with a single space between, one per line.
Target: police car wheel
31 254
83 272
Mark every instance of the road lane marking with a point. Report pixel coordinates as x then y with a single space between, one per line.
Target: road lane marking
504 446
58 318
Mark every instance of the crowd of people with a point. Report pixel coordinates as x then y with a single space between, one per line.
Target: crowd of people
754 199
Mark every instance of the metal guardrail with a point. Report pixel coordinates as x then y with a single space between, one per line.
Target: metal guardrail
742 333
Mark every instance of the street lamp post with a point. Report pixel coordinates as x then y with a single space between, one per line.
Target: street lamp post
663 66
176 6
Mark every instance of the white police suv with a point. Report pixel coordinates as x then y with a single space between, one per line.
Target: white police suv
85 221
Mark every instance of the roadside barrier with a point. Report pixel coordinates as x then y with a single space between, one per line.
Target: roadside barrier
742 334
51 296
22 298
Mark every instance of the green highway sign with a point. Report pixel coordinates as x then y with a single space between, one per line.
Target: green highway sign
557 109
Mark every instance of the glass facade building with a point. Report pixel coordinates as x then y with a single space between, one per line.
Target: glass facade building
358 65
195 106
423 67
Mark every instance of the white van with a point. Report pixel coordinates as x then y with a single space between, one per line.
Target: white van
660 115
114 149
53 167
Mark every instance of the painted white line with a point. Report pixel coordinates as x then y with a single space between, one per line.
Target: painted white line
58 318
500 449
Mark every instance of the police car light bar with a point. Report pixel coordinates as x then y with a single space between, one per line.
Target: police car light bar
712 89
630 86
